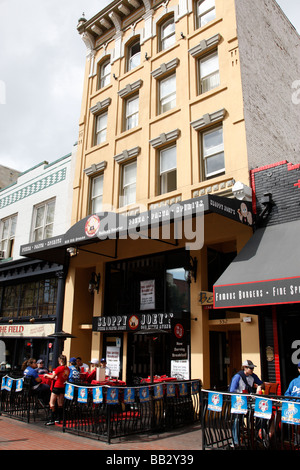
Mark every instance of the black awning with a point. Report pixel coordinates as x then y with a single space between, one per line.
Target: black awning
265 272
113 225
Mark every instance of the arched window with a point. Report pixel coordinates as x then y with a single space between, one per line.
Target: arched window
104 73
133 55
167 34
206 11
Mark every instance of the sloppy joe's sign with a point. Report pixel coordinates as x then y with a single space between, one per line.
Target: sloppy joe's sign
134 322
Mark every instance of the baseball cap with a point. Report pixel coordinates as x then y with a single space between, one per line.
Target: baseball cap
298 365
94 361
73 360
103 359
248 364
39 361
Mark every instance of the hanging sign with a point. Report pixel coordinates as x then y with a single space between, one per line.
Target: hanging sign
133 322
215 401
290 413
112 396
129 395
144 394
263 408
239 404
82 394
97 395
69 391
147 295
171 390
158 391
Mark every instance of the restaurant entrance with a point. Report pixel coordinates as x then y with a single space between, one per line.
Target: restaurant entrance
139 355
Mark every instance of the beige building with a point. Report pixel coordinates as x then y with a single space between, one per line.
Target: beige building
176 109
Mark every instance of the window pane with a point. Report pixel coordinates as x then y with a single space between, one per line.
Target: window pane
209 73
168 159
168 182
40 216
215 164
132 112
105 74
206 12
212 141
50 212
97 187
128 190
101 126
129 174
134 58
168 34
168 93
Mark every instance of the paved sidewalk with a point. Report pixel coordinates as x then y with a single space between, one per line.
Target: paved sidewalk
17 435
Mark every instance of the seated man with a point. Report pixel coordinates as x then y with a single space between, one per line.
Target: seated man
42 390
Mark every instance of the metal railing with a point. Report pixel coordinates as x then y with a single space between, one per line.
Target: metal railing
225 429
19 401
105 421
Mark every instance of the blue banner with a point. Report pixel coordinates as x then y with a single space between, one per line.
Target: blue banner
19 385
82 395
129 395
195 387
3 383
158 391
215 401
239 404
97 395
8 384
290 413
171 389
69 391
263 408
144 394
112 396
183 389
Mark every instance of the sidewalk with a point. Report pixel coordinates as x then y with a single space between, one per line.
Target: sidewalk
17 435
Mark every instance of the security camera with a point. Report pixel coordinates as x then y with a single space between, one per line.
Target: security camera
242 192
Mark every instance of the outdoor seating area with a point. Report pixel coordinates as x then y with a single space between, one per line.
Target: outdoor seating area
258 422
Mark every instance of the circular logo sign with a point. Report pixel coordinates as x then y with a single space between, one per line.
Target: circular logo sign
178 330
133 322
92 225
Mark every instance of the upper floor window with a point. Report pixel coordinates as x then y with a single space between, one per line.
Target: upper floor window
100 128
131 112
206 11
167 170
8 230
104 74
167 34
167 93
43 220
209 72
128 184
96 194
134 55
213 152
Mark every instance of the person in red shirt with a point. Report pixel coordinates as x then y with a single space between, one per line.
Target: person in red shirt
60 376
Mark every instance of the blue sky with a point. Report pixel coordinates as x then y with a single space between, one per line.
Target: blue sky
42 61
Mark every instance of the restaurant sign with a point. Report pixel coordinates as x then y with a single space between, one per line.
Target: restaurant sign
35 330
133 322
277 291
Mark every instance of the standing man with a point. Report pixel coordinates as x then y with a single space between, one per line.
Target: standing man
245 380
293 389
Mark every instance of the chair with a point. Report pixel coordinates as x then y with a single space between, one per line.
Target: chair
271 388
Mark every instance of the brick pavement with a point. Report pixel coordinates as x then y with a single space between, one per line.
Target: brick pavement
17 435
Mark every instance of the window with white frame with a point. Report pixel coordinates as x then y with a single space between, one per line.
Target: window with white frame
8 230
100 128
213 152
128 184
167 93
96 194
167 170
131 112
209 72
104 74
167 34
134 55
43 220
206 11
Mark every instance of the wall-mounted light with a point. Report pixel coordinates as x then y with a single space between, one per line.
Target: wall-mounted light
94 283
146 56
114 75
191 269
72 250
182 35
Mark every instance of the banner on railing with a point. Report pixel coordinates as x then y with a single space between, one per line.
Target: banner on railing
215 401
239 404
7 382
129 395
144 394
263 408
290 413
112 397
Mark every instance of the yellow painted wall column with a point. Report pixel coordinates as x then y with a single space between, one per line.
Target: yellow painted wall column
200 366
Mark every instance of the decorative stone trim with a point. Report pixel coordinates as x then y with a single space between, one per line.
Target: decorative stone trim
204 46
100 106
208 119
164 68
130 88
95 168
127 154
165 138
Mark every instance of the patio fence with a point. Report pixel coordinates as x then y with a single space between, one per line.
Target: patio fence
107 412
250 422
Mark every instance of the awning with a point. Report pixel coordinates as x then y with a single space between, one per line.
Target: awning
112 225
265 272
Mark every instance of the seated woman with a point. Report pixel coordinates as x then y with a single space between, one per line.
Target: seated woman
30 370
